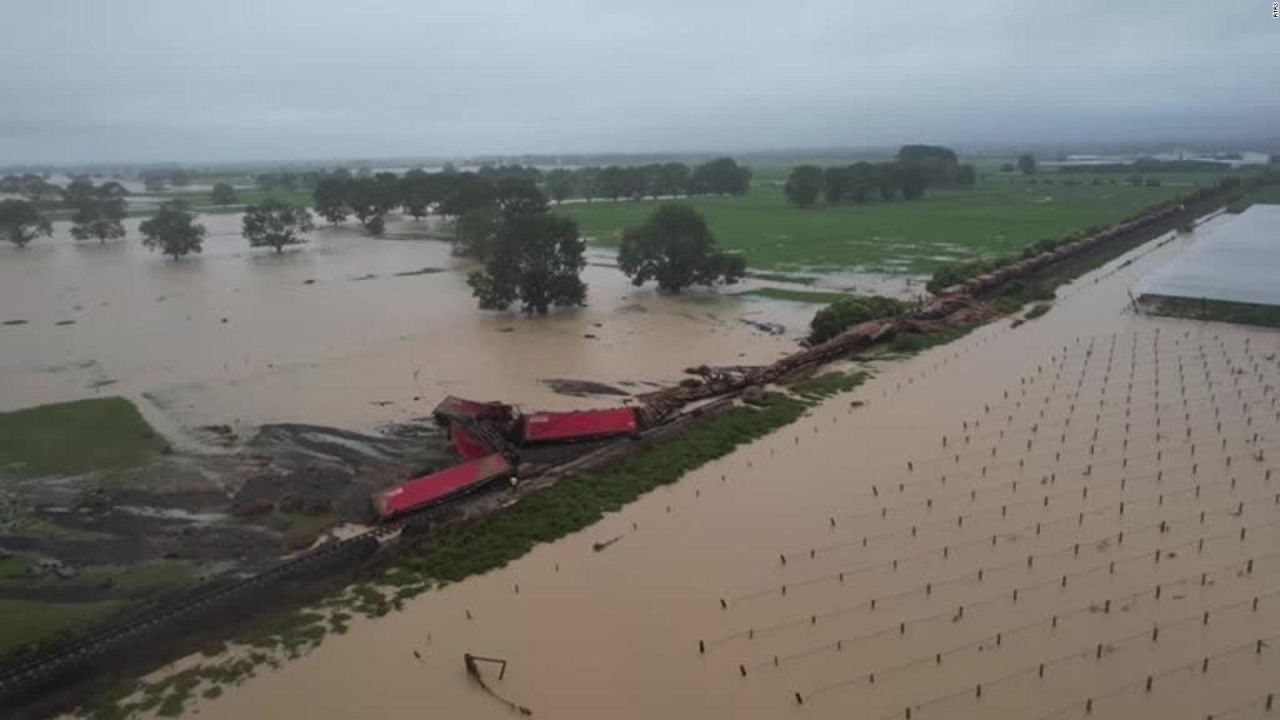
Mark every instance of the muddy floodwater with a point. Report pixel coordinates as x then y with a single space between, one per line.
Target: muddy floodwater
1032 522
346 330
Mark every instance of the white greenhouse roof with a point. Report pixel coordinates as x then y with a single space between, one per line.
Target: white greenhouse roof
1235 261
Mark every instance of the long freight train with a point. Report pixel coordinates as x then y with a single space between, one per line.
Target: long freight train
488 436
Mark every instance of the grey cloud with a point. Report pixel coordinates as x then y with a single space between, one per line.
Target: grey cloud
149 80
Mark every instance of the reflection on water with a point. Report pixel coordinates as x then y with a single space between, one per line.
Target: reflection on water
346 330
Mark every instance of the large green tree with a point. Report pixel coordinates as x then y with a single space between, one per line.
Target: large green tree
938 165
371 198
673 179
475 231
172 230
1027 164
418 192
722 176
911 180
559 184
519 195
22 223
677 249
464 191
536 261
804 185
275 225
330 198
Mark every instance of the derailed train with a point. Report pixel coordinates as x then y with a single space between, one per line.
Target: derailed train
488 436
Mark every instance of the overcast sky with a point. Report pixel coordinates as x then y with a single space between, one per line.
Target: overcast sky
198 80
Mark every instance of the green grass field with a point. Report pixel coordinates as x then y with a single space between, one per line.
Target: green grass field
75 437
998 217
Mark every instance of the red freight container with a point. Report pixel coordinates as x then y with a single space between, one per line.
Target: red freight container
582 425
454 407
439 487
468 446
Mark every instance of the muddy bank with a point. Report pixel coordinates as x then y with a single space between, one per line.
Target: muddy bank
230 512
583 388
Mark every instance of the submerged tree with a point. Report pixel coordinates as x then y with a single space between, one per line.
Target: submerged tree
172 230
99 211
676 248
276 225
536 260
223 194
22 223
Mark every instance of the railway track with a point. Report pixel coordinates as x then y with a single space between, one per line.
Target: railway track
24 673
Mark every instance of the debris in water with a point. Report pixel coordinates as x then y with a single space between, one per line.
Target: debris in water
473 670
598 546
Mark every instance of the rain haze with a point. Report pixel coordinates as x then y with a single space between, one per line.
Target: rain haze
687 359
132 80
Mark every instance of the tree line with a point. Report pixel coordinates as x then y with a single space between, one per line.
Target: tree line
528 256
98 211
458 194
915 168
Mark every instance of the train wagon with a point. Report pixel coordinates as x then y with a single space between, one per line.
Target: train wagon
452 408
468 445
448 484
544 427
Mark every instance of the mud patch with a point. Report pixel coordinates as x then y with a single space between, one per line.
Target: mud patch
423 271
582 388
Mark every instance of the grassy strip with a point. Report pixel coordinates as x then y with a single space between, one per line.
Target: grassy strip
781 277
804 296
823 386
460 552
1267 194
76 437
26 622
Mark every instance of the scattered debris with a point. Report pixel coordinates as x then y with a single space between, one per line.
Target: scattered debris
599 546
423 271
582 388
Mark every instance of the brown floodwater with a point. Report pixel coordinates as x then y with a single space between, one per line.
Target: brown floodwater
334 332
1008 501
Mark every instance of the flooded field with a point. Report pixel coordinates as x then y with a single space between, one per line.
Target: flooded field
1073 517
347 330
